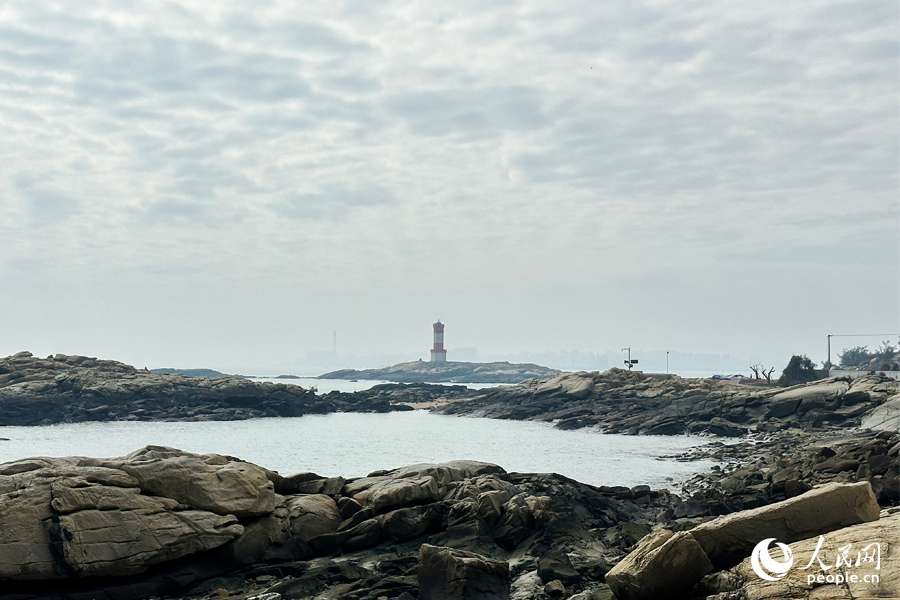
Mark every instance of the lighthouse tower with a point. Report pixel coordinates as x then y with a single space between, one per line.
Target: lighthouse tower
438 354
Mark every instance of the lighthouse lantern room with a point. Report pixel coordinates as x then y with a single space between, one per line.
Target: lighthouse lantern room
438 354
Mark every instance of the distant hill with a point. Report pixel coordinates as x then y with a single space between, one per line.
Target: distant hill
444 372
191 372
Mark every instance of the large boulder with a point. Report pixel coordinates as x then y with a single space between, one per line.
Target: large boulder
448 574
210 482
662 565
729 539
61 520
390 493
312 516
878 578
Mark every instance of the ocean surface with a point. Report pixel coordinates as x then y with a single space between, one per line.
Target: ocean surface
355 444
323 386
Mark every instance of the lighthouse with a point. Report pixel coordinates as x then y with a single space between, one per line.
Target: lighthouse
438 354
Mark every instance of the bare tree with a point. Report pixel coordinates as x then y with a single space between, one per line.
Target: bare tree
759 371
755 368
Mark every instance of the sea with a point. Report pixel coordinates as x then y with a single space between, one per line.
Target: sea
356 444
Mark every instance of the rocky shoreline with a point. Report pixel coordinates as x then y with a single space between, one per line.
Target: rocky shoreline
71 389
165 523
161 522
619 401
421 371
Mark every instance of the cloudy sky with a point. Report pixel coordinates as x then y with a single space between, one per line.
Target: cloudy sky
226 184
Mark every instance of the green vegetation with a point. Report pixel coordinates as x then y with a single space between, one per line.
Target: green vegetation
800 369
882 359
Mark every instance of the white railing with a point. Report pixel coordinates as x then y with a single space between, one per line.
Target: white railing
855 374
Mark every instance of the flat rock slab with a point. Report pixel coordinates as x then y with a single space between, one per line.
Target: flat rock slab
868 579
728 540
884 418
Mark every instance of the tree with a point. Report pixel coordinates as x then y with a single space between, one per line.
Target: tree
758 369
853 357
800 369
886 351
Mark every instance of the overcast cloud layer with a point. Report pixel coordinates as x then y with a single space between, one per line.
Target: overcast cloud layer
226 184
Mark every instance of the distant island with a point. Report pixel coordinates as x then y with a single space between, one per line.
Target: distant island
191 372
442 372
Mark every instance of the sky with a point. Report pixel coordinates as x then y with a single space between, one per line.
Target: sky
230 185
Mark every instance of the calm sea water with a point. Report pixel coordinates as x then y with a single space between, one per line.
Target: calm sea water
355 444
323 386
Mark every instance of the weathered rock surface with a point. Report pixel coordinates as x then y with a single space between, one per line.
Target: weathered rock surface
618 401
304 536
96 527
840 569
662 565
728 539
450 371
447 574
66 389
665 564
885 417
211 482
60 519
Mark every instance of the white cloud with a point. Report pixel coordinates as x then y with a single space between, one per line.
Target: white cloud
484 151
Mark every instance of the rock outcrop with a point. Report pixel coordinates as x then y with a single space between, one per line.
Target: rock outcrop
71 518
728 539
434 372
160 520
618 401
165 522
862 561
665 564
66 389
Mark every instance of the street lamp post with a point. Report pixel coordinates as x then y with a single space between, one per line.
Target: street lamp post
629 363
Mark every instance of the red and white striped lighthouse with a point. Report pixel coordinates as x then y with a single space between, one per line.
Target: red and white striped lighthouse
438 354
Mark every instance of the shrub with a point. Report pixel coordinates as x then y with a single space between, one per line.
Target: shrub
800 369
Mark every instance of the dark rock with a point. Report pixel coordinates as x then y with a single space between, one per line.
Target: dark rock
792 488
555 588
447 574
557 566
836 465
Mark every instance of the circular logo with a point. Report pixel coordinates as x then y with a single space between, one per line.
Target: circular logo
763 564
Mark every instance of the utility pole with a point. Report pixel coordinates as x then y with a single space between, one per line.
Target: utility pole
667 362
629 363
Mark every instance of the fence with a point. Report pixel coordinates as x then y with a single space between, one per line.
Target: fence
855 374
